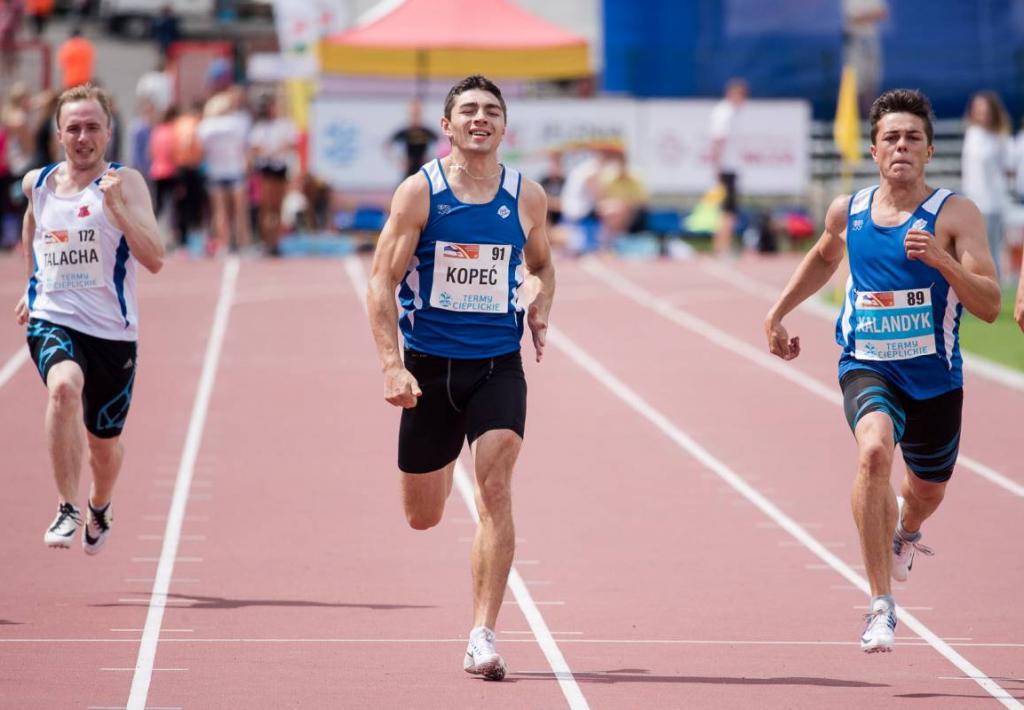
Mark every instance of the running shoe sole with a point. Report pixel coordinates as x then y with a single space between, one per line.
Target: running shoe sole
494 669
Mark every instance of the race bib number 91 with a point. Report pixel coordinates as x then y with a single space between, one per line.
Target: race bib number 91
471 277
894 325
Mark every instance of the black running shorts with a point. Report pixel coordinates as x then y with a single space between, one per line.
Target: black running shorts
927 430
108 366
461 400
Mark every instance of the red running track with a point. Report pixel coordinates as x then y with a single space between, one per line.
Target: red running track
296 584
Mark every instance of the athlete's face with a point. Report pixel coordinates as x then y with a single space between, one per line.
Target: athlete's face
901 147
477 123
84 131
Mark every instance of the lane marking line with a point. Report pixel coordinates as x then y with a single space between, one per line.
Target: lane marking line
976 364
13 364
176 515
719 337
687 443
566 680
907 641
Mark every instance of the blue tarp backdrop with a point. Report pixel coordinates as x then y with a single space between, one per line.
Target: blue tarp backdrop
793 48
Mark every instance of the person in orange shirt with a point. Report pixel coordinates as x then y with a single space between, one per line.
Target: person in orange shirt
39 12
75 57
192 195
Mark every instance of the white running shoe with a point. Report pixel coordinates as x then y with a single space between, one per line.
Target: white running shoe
903 550
481 657
97 528
62 531
879 628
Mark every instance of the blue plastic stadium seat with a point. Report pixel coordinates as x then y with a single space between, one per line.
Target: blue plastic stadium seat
663 221
369 219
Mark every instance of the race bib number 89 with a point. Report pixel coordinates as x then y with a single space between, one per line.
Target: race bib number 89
894 325
471 277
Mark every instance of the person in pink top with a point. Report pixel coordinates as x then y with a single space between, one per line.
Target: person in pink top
163 167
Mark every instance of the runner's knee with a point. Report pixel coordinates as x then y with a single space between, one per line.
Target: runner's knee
65 390
420 519
875 457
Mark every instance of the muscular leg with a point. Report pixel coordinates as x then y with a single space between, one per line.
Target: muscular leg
494 454
105 458
64 426
424 496
920 500
873 500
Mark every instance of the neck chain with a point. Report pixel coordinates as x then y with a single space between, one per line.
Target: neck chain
453 166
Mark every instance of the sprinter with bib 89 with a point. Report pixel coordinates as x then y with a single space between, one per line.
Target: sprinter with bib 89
460 235
918 257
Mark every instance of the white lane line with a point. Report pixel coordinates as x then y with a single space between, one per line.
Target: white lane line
698 452
13 364
975 364
180 631
148 580
719 337
904 641
121 707
152 669
176 514
566 680
160 559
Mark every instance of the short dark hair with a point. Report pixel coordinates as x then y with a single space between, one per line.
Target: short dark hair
903 101
476 81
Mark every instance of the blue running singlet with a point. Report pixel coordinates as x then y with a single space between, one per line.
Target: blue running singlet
900 318
459 298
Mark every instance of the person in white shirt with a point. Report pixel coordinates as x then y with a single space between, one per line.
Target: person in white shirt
272 144
985 162
224 133
725 159
862 46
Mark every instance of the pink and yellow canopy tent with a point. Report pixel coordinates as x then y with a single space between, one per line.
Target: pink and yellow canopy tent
453 38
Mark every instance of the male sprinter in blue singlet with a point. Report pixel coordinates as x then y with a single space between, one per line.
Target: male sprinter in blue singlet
460 236
87 223
918 257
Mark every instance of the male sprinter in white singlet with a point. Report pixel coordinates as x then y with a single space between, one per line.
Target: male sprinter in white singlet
458 238
87 223
918 257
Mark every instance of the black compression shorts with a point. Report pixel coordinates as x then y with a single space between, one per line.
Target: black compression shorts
927 430
461 400
108 366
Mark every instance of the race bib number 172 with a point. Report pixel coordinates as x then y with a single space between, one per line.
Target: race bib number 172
71 259
471 277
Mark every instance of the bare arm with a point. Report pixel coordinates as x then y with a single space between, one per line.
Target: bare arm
127 205
537 255
968 267
395 248
1018 307
28 232
813 272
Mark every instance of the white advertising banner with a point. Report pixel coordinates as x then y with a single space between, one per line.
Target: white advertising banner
667 141
772 137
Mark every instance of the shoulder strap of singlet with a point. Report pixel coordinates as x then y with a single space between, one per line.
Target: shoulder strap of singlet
45 173
861 199
432 171
512 182
934 203
111 166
